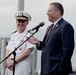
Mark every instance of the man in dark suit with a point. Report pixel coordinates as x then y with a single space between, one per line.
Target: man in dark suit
58 44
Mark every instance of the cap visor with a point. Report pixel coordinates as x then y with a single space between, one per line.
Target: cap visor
21 18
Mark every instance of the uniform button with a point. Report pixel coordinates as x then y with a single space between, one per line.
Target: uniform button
22 40
20 48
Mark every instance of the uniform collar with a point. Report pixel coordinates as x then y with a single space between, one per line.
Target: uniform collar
23 33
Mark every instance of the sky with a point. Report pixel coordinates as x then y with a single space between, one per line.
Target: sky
37 9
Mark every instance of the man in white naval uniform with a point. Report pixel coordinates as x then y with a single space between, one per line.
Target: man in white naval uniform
23 53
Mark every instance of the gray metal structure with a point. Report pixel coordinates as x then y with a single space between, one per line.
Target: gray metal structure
3 43
20 5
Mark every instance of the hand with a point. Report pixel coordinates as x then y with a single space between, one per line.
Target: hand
11 68
33 40
9 64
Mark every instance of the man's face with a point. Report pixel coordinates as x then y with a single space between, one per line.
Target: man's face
52 13
21 25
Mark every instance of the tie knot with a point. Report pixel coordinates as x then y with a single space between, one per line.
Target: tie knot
52 25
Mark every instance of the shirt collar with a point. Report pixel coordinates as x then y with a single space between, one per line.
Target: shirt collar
57 21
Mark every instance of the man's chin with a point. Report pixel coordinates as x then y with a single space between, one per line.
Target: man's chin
21 29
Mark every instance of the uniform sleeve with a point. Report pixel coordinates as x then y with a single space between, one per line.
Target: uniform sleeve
8 46
9 43
29 45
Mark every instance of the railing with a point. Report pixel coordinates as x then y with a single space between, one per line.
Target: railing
3 43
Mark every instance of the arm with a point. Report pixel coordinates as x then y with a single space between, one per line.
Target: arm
67 45
39 46
24 55
9 62
38 43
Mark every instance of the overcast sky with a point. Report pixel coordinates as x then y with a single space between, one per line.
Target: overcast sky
37 9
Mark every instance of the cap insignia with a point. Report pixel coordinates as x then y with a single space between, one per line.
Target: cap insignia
20 14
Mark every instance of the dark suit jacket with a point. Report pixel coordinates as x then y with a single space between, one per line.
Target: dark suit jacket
58 50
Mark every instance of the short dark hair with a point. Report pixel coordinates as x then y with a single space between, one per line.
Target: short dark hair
58 6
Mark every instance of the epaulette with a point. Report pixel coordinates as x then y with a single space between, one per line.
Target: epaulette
14 31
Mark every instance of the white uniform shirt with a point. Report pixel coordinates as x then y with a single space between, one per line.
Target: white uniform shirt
22 68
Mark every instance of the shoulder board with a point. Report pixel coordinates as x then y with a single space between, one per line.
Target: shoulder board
14 31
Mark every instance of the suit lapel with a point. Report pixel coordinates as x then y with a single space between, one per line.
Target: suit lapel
45 37
51 33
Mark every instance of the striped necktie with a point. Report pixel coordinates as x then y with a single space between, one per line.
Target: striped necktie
48 32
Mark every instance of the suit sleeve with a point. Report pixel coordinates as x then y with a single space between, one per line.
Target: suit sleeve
67 44
40 46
